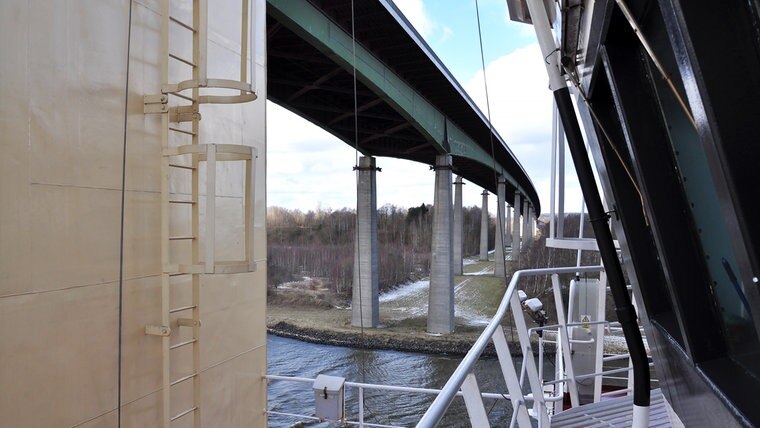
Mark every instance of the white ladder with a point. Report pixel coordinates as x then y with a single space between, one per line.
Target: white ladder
181 157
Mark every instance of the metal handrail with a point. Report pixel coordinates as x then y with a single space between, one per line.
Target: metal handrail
369 386
436 411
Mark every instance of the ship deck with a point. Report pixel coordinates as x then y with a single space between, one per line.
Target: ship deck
617 412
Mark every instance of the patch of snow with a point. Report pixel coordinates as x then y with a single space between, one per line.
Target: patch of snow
295 284
484 271
405 290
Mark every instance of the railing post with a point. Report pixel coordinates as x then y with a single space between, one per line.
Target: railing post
510 378
530 363
565 343
474 402
361 406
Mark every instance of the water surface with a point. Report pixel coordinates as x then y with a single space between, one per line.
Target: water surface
291 357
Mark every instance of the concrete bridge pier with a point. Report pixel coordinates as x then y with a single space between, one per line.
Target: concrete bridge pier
484 227
508 227
365 304
525 227
531 225
458 219
498 256
516 230
441 297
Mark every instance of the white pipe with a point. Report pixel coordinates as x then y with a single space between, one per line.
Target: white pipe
640 417
553 187
549 49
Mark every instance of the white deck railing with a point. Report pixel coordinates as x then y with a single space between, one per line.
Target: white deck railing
361 387
464 379
464 383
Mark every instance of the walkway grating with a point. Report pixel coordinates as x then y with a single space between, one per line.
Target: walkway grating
616 412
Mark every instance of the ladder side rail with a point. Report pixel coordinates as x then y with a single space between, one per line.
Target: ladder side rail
210 244
165 231
245 17
250 190
200 42
200 23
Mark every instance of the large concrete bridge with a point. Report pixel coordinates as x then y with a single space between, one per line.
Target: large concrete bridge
407 105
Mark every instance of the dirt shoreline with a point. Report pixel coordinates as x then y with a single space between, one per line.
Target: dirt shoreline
332 327
452 346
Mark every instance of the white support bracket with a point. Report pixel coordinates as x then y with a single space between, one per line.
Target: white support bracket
184 114
153 104
188 322
158 330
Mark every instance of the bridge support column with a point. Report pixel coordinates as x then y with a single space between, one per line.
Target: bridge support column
508 227
525 232
441 298
484 227
498 255
458 219
365 303
531 224
516 230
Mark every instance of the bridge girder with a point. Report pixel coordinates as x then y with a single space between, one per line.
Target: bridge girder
395 119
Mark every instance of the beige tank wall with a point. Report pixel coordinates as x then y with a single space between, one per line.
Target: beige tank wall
62 87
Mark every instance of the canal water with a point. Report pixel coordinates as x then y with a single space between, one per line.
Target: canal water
290 357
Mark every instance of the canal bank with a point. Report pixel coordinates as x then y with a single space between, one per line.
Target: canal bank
332 326
305 310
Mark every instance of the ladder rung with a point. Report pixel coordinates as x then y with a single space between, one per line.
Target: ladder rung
181 201
185 269
171 128
181 344
181 237
178 273
179 415
180 59
181 24
181 308
182 379
184 97
176 165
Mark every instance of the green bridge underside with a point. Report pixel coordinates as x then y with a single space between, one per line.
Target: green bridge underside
311 61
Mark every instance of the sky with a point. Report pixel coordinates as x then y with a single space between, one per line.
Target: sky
308 168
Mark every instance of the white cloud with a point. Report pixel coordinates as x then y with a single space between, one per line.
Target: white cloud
527 31
521 112
417 14
306 166
446 34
